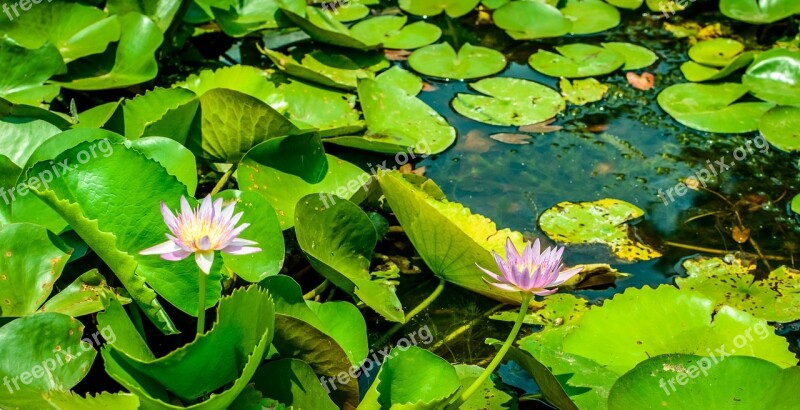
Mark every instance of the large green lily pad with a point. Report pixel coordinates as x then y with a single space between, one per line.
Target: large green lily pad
324 28
590 16
712 108
509 101
313 108
391 32
441 60
603 221
25 72
330 69
715 59
775 298
162 112
240 18
576 61
453 8
759 11
530 20
636 57
774 76
781 127
245 79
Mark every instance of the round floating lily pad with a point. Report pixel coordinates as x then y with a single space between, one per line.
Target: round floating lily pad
626 4
391 32
352 12
453 8
529 20
697 72
576 61
775 77
781 127
590 16
717 52
509 101
712 108
636 57
402 79
582 92
603 221
440 60
758 11
775 298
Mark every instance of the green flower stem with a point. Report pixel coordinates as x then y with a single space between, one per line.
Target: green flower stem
224 180
526 298
410 315
201 306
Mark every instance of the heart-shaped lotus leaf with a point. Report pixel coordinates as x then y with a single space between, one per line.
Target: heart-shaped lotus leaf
264 229
781 127
321 27
576 61
509 101
75 29
19 138
32 260
330 69
582 92
287 169
83 296
331 337
693 381
246 79
117 224
399 122
604 221
240 18
440 60
626 4
775 77
313 108
233 348
232 123
161 11
339 240
636 56
712 108
164 112
25 72
557 310
530 20
399 78
347 12
131 62
391 32
293 383
174 157
759 11
775 298
453 8
399 385
42 353
489 396
450 238
590 16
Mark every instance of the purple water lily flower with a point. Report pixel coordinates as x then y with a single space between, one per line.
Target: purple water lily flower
201 232
533 271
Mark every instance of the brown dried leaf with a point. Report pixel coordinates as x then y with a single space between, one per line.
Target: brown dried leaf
515 139
740 234
642 82
541 127
396 55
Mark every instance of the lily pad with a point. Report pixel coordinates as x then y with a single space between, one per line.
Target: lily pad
718 52
299 386
441 60
576 61
83 296
759 11
453 8
245 79
626 4
694 381
391 32
488 396
530 20
712 108
590 16
240 18
401 122
350 11
582 92
163 112
402 79
603 221
330 69
636 57
509 101
339 239
161 11
326 29
312 108
781 127
25 72
557 310
775 298
774 76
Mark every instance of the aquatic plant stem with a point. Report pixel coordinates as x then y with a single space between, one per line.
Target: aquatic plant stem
458 332
201 306
410 315
317 291
224 180
718 251
526 298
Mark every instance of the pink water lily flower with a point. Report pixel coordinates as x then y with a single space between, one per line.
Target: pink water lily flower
532 272
201 232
